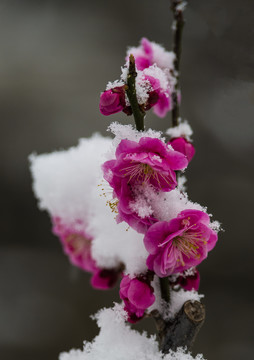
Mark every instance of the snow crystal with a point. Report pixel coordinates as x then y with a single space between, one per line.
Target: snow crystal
129 132
66 185
125 71
157 158
140 207
183 129
181 6
189 272
178 298
181 183
167 205
143 87
159 304
159 74
116 83
164 59
117 341
216 226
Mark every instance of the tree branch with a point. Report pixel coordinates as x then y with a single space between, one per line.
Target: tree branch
183 330
177 7
165 291
138 113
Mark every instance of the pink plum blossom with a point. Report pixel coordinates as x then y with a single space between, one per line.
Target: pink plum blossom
154 82
149 53
148 162
183 146
159 98
112 101
137 295
126 212
77 245
179 244
143 55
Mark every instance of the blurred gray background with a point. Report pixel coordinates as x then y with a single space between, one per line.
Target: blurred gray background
56 57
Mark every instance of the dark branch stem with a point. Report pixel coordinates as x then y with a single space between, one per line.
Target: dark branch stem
177 48
164 286
183 329
138 113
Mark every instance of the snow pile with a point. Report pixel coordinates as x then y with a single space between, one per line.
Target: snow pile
66 185
117 341
167 205
62 180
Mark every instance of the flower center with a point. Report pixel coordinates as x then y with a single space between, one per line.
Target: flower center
187 244
143 173
77 242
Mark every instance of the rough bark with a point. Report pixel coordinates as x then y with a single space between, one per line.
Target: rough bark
183 330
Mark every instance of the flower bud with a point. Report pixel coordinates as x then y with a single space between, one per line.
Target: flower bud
183 146
112 101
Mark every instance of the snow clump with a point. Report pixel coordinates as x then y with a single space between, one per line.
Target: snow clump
117 341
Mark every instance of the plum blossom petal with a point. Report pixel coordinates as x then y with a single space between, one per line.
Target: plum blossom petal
112 101
149 53
183 146
163 105
104 279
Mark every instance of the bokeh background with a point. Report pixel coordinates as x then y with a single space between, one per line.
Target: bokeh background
56 57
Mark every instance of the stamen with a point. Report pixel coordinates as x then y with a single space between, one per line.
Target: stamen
144 172
78 242
107 193
187 244
113 205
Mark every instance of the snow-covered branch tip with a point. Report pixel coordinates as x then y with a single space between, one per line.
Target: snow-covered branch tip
137 110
